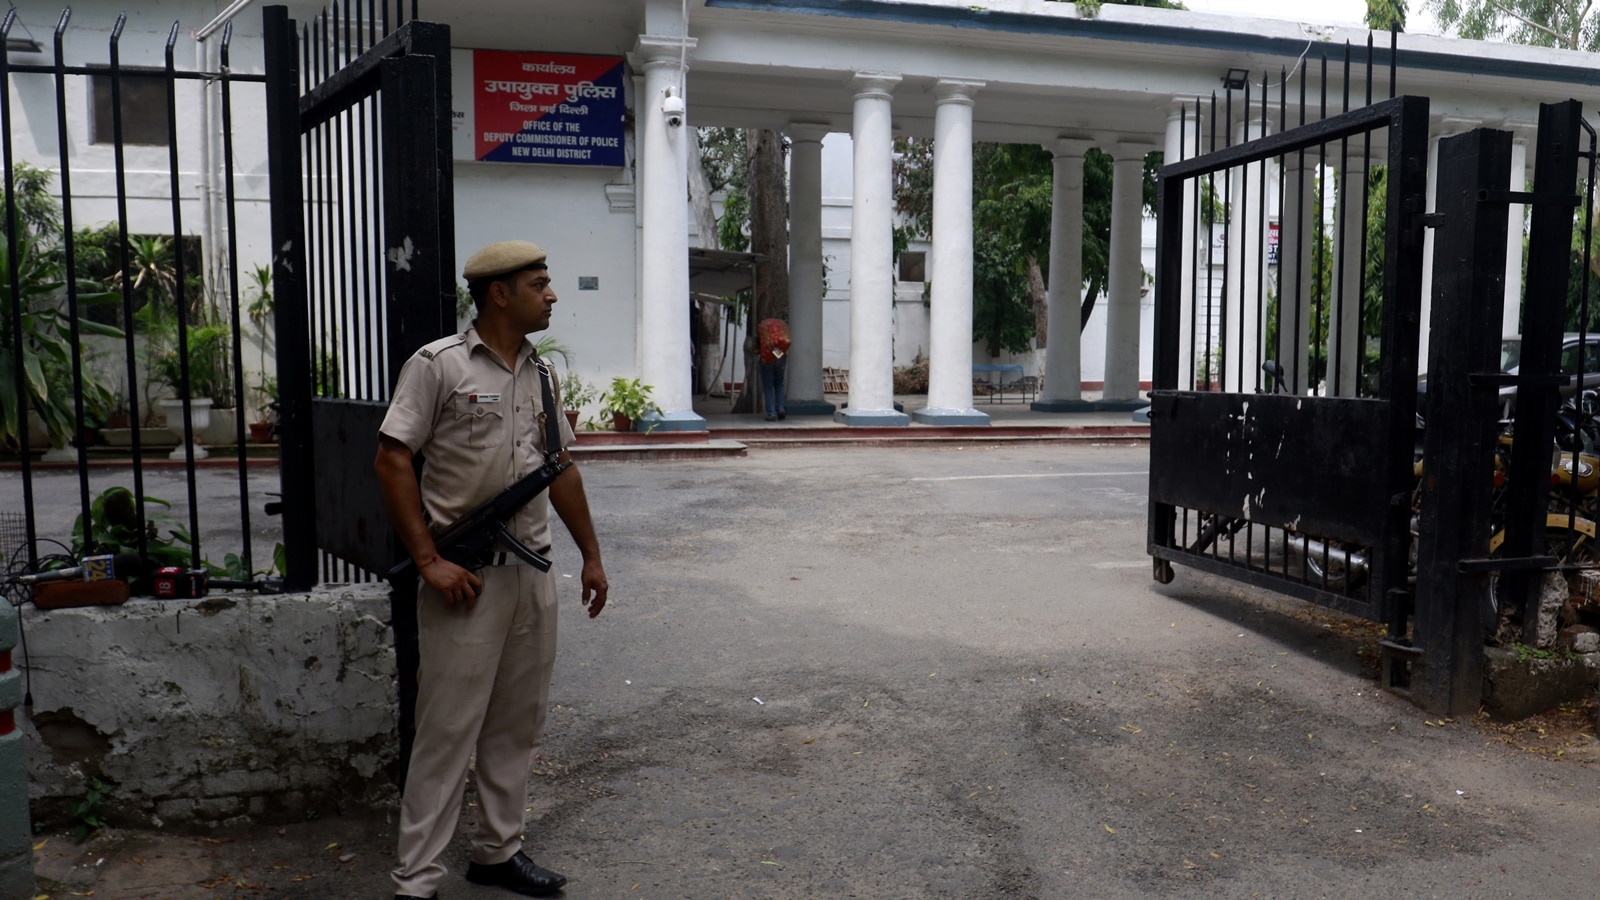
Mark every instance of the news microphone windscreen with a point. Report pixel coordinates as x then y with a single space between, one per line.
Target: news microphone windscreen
128 566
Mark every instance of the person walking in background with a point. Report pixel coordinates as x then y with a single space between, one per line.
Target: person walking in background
774 337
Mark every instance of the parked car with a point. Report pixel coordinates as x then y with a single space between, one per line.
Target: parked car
1511 362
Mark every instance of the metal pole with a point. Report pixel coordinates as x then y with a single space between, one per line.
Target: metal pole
1468 293
290 313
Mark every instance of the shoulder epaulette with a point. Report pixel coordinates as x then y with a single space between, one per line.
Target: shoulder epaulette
432 349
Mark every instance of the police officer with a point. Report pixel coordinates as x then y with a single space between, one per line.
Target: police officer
472 404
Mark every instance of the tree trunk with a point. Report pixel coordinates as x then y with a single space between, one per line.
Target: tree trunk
769 237
1088 303
708 353
769 223
705 218
1040 300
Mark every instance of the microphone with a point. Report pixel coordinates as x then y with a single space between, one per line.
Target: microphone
93 568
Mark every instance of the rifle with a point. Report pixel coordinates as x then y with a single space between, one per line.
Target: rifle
469 541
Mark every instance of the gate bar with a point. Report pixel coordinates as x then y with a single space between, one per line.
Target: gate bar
1468 296
1544 309
290 313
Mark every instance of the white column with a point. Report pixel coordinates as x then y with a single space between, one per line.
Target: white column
1125 278
1063 356
1245 304
1296 261
871 256
1344 347
1448 126
664 343
806 286
950 306
1511 320
1181 127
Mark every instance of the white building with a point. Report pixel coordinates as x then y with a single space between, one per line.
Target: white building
840 78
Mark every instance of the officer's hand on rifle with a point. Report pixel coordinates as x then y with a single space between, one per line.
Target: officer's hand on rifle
456 585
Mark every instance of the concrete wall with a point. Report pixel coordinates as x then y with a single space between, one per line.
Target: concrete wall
212 711
16 852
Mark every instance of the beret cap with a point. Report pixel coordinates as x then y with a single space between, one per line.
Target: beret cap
503 257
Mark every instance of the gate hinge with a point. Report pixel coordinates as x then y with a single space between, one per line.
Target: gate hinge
1431 220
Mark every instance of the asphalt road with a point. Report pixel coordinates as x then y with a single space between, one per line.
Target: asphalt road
909 673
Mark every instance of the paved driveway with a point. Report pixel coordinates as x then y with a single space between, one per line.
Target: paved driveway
907 673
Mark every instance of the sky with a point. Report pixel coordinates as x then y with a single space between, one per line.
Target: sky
1337 12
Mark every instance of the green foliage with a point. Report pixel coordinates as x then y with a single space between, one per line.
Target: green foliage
724 157
325 372
1568 24
577 393
1381 14
115 517
1002 313
234 569
629 397
549 346
45 343
87 813
266 396
1012 188
1526 653
209 375
38 212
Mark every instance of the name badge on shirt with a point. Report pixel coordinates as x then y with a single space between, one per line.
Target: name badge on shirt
483 398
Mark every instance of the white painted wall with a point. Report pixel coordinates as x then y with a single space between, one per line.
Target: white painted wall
564 210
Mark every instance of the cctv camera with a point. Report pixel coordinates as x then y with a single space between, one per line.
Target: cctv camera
672 108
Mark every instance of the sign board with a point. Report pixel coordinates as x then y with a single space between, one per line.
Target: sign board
1272 243
535 107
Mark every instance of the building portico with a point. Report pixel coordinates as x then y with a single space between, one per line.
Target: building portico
827 73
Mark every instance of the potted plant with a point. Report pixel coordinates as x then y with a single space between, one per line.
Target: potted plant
266 410
628 401
117 414
260 310
575 395
207 358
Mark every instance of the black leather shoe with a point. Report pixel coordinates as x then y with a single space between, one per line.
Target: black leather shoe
517 874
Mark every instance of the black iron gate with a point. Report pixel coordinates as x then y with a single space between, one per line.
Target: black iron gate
1281 487
1285 444
358 118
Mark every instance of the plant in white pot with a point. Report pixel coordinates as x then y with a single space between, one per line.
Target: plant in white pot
206 379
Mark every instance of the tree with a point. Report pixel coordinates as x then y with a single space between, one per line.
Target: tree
1385 14
769 237
1011 186
1567 24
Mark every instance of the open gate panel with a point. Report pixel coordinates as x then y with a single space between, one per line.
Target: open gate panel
1272 489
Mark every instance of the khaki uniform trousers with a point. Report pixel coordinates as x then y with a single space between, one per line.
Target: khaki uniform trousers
484 684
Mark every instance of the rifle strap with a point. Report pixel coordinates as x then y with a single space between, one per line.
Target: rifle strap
552 413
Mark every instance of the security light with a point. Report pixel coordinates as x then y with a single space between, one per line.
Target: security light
1236 79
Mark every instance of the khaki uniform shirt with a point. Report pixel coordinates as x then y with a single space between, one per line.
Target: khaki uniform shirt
479 426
